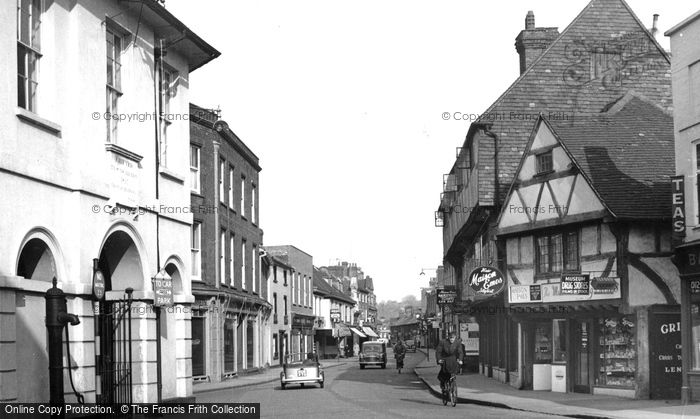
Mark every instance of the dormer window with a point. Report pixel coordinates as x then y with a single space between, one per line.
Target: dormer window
544 162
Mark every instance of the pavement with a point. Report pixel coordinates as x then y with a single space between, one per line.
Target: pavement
265 375
479 389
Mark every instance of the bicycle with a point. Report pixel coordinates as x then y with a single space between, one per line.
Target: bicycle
449 389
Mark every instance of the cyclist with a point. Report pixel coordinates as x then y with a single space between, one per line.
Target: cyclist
449 352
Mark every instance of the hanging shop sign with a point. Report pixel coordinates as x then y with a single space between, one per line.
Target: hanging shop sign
687 260
603 288
678 206
486 280
446 297
299 322
575 284
335 314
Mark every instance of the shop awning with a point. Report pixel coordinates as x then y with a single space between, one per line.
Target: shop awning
369 332
358 333
340 330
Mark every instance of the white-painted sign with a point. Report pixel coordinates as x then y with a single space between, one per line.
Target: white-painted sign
600 289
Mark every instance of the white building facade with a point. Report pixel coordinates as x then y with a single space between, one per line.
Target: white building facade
95 156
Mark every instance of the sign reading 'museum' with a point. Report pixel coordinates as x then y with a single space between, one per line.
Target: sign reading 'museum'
486 280
575 284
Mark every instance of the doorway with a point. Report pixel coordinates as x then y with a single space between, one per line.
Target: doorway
582 360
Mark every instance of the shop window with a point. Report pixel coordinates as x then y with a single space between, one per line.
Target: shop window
557 252
695 324
198 347
559 340
618 352
250 350
543 343
229 355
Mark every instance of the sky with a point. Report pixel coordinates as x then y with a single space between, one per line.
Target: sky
343 102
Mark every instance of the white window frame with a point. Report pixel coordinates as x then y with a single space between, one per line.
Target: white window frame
194 170
222 257
167 87
196 250
232 248
28 79
113 85
222 166
253 216
230 187
242 196
255 258
243 273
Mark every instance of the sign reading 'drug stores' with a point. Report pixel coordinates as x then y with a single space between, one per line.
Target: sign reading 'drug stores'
575 284
598 289
486 280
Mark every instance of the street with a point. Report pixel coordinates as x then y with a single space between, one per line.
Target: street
351 392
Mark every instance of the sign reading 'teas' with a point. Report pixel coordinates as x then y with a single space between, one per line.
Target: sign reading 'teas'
678 205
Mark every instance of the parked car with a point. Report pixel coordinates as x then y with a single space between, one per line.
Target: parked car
410 345
373 353
298 369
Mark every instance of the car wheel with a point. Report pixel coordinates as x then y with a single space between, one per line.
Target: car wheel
384 366
321 384
302 385
284 386
362 367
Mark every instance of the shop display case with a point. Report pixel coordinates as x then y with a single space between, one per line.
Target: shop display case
618 352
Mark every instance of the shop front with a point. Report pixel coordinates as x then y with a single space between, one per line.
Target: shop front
302 333
589 345
687 260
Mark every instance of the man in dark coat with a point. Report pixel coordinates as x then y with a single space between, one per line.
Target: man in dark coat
449 352
399 354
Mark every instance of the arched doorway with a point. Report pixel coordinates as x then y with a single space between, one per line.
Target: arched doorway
168 323
36 261
120 264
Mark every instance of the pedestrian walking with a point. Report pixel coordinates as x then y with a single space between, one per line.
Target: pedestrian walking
399 354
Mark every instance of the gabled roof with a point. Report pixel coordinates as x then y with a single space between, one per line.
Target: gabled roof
627 154
324 288
560 80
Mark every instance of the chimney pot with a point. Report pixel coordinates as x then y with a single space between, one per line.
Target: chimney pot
654 28
530 20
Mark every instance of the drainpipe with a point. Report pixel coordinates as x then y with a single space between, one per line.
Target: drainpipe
489 133
157 79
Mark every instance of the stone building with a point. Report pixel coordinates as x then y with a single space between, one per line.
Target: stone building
92 187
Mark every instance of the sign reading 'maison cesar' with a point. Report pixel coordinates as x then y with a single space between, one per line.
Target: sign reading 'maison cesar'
487 280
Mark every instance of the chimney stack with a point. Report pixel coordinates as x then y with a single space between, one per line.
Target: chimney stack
532 41
530 20
654 28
